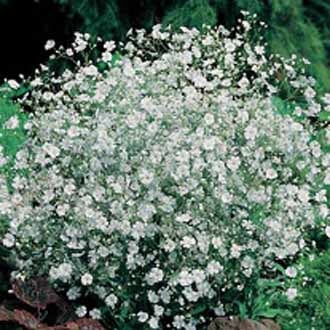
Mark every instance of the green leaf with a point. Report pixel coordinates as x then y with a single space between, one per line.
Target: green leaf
270 313
324 116
242 310
268 283
198 309
279 268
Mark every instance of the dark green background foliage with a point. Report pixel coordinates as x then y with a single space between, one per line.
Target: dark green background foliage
25 26
296 26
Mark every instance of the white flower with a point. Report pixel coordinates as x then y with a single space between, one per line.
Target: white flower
36 82
309 93
291 272
49 44
327 231
190 294
246 25
326 98
69 52
327 178
185 278
214 267
219 311
226 82
209 119
95 314
259 50
80 43
54 273
178 322
63 272
209 143
169 246
199 80
159 310
154 276
73 132
208 41
91 70
153 323
250 132
303 195
146 177
3 159
234 163
69 189
111 300
13 84
51 150
186 57
198 275
8 240
62 209
183 218
217 242
235 251
165 296
86 279
230 46
153 297
81 311
271 174
291 293
324 211
27 125
196 52
142 317
244 83
188 241
109 46
73 293
106 57
146 211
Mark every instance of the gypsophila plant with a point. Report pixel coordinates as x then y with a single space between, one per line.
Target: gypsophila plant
170 178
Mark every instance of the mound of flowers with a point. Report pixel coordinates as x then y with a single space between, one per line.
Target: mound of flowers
166 181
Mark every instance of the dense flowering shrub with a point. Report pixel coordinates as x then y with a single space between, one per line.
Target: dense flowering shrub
166 180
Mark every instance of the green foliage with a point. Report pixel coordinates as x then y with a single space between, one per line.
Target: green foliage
111 19
291 32
318 11
297 26
10 139
311 309
193 13
99 17
258 299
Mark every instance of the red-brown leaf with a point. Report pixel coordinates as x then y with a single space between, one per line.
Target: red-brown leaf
5 314
26 319
85 324
72 326
35 292
56 327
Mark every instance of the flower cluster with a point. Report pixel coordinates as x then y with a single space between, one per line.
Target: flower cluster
170 178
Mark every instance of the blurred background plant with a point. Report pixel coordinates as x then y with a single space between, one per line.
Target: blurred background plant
296 26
